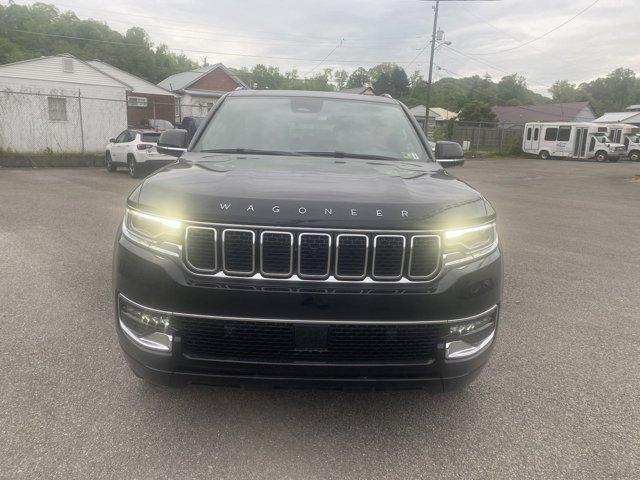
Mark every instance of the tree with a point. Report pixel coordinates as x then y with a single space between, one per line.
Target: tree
266 77
477 111
389 78
512 90
340 78
359 78
563 91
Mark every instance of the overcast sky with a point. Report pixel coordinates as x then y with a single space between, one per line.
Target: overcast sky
485 36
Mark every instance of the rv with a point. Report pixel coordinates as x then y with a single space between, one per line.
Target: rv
572 140
628 135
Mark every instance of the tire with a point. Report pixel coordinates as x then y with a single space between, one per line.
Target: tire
544 155
634 155
109 163
134 168
601 156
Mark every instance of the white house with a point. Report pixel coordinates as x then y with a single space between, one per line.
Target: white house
630 115
201 88
59 104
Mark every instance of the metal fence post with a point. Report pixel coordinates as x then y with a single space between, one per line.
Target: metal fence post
80 115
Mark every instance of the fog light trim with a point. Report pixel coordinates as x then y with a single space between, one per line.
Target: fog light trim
461 349
154 341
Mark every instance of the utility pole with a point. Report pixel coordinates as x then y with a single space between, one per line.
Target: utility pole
433 47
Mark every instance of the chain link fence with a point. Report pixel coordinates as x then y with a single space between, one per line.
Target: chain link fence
481 138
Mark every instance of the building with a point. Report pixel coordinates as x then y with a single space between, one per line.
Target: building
630 115
59 104
437 115
199 89
145 100
547 112
364 90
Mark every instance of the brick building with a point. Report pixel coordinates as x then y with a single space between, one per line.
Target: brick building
198 90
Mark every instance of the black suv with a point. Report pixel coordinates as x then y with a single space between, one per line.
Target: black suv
307 238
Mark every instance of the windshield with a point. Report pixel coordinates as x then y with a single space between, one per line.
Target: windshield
312 126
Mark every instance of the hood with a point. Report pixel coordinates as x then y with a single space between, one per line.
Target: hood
311 192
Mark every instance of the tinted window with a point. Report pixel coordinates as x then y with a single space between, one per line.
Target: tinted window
550 134
122 137
564 133
592 143
150 137
529 133
535 134
307 124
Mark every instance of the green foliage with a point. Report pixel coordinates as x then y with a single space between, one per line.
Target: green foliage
477 111
614 92
389 78
132 52
359 78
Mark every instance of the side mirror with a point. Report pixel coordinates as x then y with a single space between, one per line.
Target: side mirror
173 142
112 140
449 154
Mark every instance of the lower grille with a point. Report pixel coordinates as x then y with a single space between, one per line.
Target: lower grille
281 342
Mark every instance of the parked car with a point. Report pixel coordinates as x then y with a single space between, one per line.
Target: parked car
307 238
136 150
191 124
157 124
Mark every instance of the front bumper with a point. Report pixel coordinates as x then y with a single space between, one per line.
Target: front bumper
156 282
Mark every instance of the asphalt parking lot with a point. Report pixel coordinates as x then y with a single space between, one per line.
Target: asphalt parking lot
559 398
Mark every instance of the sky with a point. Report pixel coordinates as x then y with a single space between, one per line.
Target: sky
487 37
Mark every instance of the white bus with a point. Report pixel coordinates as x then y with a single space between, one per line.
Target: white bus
572 140
628 135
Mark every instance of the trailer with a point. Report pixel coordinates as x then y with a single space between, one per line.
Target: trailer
628 135
570 140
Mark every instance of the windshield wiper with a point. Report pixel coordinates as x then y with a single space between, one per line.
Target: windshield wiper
250 151
365 156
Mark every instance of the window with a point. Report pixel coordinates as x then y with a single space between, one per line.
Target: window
550 134
67 65
529 133
313 125
536 132
123 137
57 109
592 144
564 133
150 137
137 102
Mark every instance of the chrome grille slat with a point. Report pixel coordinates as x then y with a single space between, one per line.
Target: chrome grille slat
201 249
238 251
314 255
288 254
276 253
388 257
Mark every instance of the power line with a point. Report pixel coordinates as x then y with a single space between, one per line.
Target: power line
540 36
322 61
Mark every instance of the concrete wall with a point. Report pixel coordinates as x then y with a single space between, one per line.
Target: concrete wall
25 126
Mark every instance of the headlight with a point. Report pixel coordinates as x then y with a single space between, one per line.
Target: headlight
157 233
468 244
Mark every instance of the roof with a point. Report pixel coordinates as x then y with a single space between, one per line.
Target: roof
136 84
359 90
619 117
312 94
443 113
418 111
51 69
633 108
547 112
180 81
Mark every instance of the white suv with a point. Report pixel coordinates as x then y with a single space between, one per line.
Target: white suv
136 150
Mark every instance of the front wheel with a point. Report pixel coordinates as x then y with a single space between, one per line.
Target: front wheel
634 155
109 163
134 168
544 155
601 156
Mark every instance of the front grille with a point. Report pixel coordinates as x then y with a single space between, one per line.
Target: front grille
339 255
286 342
238 251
